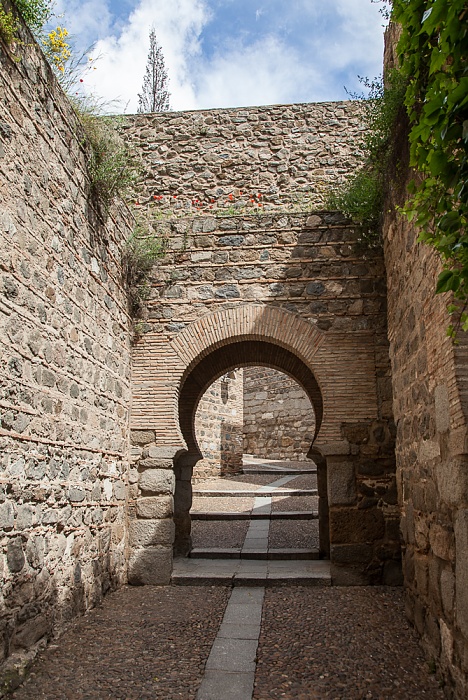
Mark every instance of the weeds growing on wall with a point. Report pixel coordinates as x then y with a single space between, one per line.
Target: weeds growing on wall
111 167
142 251
36 13
8 26
433 55
362 197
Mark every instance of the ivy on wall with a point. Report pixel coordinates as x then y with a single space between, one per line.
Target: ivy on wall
433 56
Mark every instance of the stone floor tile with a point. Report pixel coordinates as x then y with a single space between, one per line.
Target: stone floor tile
246 595
234 655
243 614
229 630
218 685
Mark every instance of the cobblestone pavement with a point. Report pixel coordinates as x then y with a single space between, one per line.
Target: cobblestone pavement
318 643
206 533
294 534
339 644
147 643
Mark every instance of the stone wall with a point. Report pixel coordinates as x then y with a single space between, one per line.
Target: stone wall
430 407
245 290
279 419
219 427
244 160
430 403
64 368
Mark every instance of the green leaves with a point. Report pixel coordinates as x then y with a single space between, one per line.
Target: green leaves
433 56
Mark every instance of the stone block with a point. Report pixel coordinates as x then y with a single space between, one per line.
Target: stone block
461 570
442 542
356 526
151 533
428 450
183 497
151 566
341 483
392 574
351 553
142 437
452 481
150 463
157 481
421 573
7 515
348 575
442 408
162 452
447 590
32 631
334 448
155 507
15 555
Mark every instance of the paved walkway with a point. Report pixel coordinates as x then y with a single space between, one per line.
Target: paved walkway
254 641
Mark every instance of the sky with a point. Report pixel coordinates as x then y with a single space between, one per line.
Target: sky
227 53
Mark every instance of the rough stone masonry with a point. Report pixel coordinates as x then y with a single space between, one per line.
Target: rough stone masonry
64 367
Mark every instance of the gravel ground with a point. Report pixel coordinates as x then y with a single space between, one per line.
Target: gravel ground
278 463
244 483
307 481
219 533
141 644
305 504
259 479
222 504
294 534
339 644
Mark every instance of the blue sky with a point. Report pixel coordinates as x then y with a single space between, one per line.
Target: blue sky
229 53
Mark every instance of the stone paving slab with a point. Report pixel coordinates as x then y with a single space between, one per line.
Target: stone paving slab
235 648
216 493
278 515
233 655
227 686
231 571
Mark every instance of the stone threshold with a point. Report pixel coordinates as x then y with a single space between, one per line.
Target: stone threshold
273 471
239 572
271 554
274 515
249 494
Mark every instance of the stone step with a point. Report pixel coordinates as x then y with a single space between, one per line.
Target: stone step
247 572
272 554
271 472
278 515
249 494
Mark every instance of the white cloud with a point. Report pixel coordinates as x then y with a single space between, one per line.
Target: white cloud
83 18
265 72
122 61
307 56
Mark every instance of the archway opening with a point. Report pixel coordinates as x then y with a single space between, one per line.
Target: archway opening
208 384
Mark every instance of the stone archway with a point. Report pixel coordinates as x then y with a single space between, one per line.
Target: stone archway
338 371
238 353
